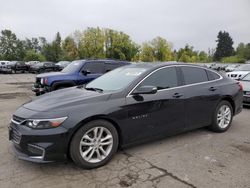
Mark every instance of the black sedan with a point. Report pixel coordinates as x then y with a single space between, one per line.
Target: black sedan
44 67
131 104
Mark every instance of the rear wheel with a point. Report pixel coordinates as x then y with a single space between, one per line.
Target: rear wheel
94 144
223 117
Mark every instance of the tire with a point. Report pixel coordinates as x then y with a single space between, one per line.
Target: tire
94 147
224 107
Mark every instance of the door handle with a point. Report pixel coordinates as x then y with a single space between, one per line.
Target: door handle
212 89
177 95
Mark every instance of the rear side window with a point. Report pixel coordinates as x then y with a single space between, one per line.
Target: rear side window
94 67
194 75
162 79
212 76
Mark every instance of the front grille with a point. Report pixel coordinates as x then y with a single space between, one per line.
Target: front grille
246 92
16 136
17 119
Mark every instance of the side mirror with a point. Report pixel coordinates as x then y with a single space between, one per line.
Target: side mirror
85 72
145 90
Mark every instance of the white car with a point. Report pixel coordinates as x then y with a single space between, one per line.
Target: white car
4 66
246 89
239 72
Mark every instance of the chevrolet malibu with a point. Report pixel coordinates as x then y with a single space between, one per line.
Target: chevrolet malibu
131 104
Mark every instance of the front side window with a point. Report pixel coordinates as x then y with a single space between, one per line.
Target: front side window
194 75
94 67
162 79
75 66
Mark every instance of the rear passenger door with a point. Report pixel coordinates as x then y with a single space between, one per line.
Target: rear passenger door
201 95
93 69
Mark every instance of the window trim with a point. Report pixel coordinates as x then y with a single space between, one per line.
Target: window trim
188 85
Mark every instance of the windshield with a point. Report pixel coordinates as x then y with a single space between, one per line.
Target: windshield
116 79
73 67
246 78
243 68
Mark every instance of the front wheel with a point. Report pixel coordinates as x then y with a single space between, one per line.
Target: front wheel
223 117
94 144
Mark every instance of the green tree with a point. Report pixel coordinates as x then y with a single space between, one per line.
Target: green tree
118 45
91 43
52 51
32 55
11 48
32 44
162 49
70 51
224 46
187 54
203 57
158 49
243 51
147 53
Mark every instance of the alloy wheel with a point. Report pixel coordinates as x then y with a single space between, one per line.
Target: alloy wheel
224 116
96 144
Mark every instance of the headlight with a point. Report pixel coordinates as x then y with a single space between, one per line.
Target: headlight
45 123
44 81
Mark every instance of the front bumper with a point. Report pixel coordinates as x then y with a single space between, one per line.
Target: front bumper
39 89
246 100
41 146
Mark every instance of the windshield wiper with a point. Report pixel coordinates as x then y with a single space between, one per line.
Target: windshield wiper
94 89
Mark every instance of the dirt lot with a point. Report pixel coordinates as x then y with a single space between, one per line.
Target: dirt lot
195 159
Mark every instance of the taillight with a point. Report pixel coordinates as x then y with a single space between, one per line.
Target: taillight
241 86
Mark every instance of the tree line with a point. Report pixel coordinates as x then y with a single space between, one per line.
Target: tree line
108 43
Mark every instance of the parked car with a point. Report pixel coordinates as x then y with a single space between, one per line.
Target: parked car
239 72
77 73
128 105
17 66
231 68
245 81
215 66
44 67
30 63
63 64
5 67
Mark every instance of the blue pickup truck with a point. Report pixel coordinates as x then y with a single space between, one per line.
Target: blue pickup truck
78 72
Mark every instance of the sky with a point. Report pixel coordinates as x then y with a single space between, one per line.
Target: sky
194 22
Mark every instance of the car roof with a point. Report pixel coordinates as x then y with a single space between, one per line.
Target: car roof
155 65
101 60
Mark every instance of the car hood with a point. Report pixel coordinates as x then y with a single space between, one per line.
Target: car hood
65 99
51 74
246 85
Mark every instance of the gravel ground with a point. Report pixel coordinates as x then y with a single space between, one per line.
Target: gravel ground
195 159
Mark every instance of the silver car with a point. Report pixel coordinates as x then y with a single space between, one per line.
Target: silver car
246 88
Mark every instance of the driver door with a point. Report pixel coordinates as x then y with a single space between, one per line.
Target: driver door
158 114
90 71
